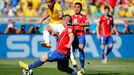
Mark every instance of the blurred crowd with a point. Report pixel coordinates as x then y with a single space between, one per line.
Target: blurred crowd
93 8
32 29
11 29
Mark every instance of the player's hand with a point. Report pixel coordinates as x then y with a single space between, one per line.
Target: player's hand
117 33
68 46
39 23
54 34
75 23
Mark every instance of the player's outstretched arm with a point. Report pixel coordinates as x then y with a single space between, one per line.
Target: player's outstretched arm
44 18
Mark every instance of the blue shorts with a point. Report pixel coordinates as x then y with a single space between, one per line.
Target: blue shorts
79 40
55 56
106 40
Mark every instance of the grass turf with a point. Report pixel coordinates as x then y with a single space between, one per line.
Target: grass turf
92 67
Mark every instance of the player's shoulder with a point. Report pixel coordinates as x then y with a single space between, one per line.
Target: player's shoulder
73 16
84 15
102 16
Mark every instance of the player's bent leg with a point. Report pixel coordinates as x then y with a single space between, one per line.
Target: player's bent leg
47 45
39 62
110 42
46 35
103 57
82 57
103 51
109 49
63 65
46 42
35 64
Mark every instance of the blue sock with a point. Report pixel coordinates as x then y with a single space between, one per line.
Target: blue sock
108 51
82 59
36 64
102 53
102 57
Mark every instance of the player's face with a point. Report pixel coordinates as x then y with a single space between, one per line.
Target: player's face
49 3
77 9
107 11
64 22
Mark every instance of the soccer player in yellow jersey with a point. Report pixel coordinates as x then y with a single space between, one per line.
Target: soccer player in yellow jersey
54 12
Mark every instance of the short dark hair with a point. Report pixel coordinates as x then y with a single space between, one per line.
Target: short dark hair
52 0
78 3
106 7
68 17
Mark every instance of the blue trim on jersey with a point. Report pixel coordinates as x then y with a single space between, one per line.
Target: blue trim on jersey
55 55
106 40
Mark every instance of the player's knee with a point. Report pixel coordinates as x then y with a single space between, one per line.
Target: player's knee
48 28
102 46
81 47
111 46
44 58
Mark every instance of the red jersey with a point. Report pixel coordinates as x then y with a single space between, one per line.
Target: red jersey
105 23
79 30
64 39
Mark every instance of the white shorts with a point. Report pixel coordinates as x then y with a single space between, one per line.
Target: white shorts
57 27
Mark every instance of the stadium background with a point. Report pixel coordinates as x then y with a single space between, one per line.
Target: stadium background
16 45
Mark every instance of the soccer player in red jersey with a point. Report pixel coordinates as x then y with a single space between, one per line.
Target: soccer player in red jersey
62 53
80 21
104 32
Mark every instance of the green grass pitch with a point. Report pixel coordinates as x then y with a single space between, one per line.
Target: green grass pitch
92 67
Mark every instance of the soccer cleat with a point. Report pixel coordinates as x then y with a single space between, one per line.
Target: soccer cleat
45 45
23 65
30 72
104 61
80 73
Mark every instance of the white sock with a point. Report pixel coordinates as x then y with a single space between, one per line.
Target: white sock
72 58
46 36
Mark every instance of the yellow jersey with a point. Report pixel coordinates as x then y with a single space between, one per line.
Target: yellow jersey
29 13
53 15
